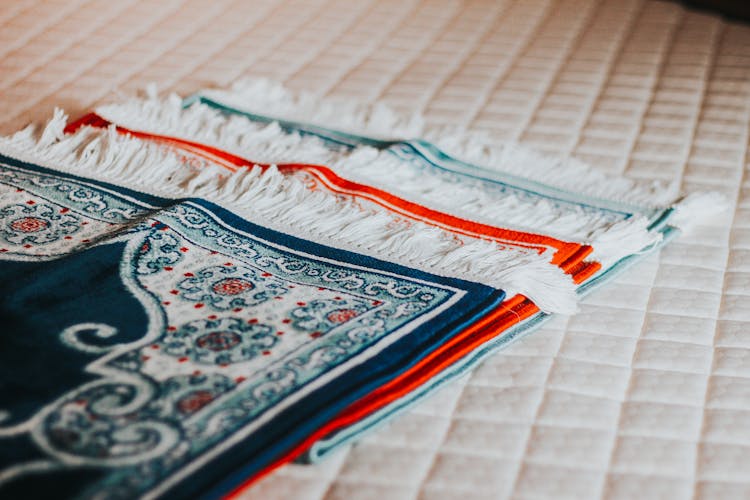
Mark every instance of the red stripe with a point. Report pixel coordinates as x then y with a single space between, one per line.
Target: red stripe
569 256
509 313
567 253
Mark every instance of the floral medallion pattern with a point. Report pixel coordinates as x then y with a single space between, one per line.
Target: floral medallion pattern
229 287
323 315
233 324
36 224
219 341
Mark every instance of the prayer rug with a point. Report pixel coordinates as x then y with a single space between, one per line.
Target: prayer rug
211 291
621 219
150 339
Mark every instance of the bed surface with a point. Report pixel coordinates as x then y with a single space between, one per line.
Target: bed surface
646 392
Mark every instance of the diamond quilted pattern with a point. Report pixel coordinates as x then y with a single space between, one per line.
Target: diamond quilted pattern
646 392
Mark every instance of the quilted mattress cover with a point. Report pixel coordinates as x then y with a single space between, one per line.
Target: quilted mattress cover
646 392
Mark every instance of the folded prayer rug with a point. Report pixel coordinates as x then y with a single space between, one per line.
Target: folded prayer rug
192 296
590 225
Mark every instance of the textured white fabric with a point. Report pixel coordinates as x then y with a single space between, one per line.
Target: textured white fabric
646 392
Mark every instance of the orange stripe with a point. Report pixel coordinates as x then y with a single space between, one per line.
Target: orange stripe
567 254
569 257
423 214
583 271
509 313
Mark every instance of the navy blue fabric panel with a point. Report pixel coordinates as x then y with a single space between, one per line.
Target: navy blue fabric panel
42 297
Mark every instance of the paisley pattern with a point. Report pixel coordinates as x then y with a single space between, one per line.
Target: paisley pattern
216 322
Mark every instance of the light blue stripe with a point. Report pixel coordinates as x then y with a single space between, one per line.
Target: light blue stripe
325 446
435 157
431 155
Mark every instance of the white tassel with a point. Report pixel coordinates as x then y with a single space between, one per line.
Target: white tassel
470 199
285 203
476 146
627 237
481 149
55 128
695 207
266 97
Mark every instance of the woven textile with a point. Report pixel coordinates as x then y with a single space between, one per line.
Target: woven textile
145 337
203 331
633 206
641 394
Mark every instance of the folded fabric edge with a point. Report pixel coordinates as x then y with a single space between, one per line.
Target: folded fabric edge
334 434
280 201
347 434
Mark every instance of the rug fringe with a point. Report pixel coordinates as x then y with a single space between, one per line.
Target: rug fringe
376 120
483 150
470 199
286 203
474 146
695 207
626 237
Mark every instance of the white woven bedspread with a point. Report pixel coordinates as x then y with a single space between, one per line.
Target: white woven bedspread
646 392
